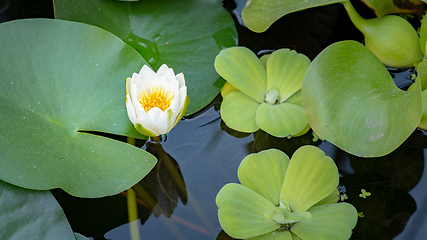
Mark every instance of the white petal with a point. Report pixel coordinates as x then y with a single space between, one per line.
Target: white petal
182 94
154 115
174 88
134 96
163 125
181 79
175 107
130 110
144 118
128 84
136 80
169 75
148 80
144 70
162 82
162 70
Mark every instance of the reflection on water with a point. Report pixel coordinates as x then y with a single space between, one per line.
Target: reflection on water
163 185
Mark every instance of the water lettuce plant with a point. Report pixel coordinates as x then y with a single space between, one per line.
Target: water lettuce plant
391 38
156 102
351 100
268 96
279 198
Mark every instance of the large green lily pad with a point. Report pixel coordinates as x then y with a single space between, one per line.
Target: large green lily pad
185 34
258 15
59 79
31 214
350 99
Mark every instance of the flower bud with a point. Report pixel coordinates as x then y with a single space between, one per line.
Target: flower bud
391 38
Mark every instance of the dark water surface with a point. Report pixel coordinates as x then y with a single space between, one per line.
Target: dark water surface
205 154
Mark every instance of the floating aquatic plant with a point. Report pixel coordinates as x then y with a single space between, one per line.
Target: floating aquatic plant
351 100
280 198
268 96
391 38
156 102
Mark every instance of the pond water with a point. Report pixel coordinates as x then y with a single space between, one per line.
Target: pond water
204 155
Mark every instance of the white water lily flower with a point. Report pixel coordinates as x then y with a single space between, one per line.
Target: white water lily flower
155 102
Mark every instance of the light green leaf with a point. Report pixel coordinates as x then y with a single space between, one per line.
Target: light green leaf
331 198
80 237
333 221
186 35
61 80
383 7
391 38
423 35
276 235
350 99
295 99
311 176
285 72
258 15
264 172
30 214
281 120
423 121
241 68
422 76
238 112
241 212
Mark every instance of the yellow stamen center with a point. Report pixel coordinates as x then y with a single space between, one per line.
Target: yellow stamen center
158 97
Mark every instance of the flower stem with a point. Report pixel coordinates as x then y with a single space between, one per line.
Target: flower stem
133 215
132 207
357 20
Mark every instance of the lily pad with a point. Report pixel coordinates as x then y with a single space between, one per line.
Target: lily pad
258 15
60 81
31 214
350 99
186 35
